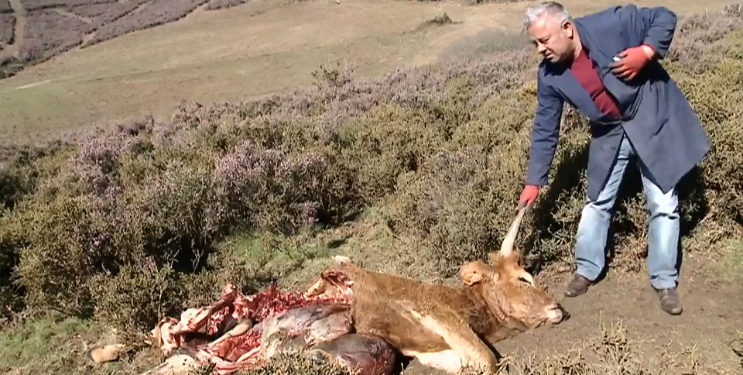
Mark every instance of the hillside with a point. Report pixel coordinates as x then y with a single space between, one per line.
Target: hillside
413 173
258 48
34 31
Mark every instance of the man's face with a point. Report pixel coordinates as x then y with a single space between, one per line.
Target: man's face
554 40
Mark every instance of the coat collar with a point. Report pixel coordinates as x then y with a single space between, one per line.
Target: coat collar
572 89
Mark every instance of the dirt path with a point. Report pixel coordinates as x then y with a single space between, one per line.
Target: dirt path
73 15
711 316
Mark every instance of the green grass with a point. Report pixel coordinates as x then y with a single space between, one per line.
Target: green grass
46 342
290 260
54 345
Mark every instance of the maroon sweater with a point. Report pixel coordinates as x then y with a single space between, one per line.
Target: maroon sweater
588 77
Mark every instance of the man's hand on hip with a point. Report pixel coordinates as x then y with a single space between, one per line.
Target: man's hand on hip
528 195
632 60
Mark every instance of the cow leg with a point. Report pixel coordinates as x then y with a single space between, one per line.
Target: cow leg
470 348
460 338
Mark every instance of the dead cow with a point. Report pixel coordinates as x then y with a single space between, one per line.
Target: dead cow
442 326
241 332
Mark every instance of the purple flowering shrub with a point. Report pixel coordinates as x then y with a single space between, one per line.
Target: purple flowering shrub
48 34
441 150
701 31
5 7
102 14
7 28
56 26
31 5
224 4
154 13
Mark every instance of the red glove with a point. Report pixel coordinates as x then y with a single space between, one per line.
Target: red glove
632 61
528 195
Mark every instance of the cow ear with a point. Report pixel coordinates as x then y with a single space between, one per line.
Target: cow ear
471 278
474 272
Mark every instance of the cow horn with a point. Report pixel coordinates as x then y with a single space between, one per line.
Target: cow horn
513 231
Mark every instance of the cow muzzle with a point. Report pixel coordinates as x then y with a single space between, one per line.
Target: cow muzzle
556 313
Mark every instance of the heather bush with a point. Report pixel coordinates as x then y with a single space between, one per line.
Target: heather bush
153 14
136 296
442 150
452 203
30 5
8 260
224 4
7 28
5 7
702 30
49 33
9 66
712 94
103 14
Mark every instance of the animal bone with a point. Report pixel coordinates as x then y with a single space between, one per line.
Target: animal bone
242 326
105 353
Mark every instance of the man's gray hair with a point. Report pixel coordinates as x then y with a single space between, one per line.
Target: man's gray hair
551 8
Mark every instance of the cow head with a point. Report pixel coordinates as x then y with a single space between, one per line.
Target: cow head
509 290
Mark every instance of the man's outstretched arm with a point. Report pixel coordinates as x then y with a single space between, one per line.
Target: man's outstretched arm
545 134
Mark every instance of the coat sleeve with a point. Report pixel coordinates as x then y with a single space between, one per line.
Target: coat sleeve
545 133
655 25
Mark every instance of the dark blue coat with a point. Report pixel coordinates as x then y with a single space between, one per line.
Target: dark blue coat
663 128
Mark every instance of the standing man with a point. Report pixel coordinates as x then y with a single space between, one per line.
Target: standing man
605 64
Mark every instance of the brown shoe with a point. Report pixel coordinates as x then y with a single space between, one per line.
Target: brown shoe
669 301
577 286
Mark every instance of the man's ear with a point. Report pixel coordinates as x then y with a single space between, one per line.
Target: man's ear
474 272
568 29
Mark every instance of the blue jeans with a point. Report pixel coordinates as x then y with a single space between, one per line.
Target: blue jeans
663 226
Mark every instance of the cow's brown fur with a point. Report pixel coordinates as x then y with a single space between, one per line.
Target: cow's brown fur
443 326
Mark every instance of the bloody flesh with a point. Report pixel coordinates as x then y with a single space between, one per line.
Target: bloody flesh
241 351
